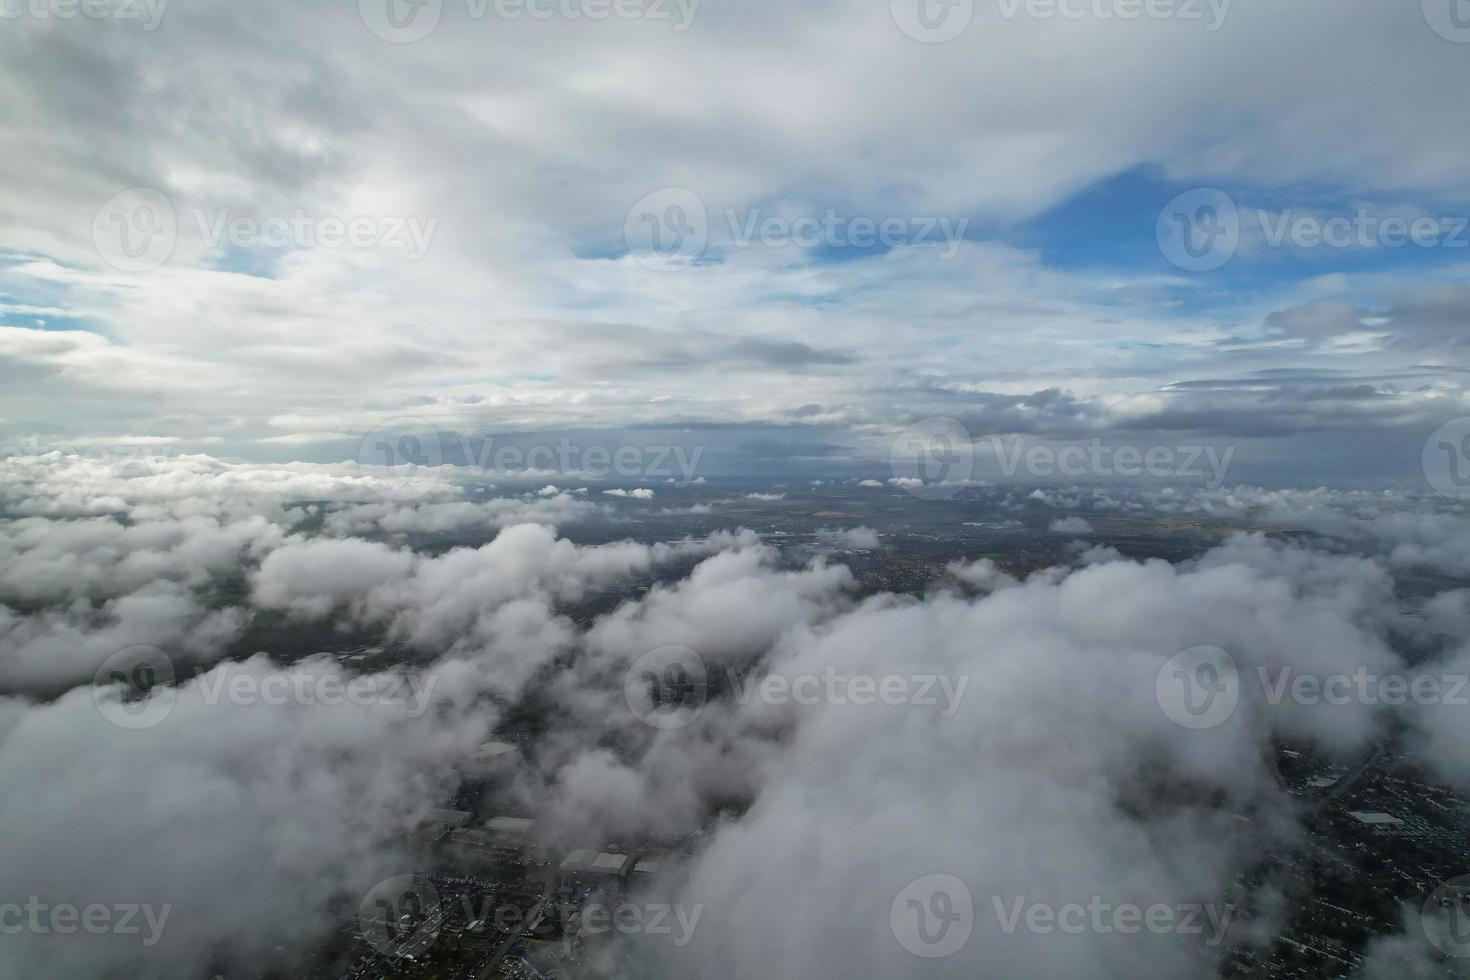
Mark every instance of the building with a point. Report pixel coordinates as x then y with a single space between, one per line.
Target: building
490 761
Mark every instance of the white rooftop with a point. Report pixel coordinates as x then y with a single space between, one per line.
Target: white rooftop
579 860
610 862
1373 818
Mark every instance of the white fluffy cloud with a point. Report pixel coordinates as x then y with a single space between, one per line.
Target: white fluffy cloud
234 823
1048 771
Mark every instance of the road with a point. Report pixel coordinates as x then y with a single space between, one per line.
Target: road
1352 778
504 949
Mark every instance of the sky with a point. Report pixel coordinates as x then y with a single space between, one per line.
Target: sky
289 289
783 232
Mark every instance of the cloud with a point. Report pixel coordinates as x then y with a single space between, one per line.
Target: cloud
641 493
855 537
1077 783
876 784
187 817
463 515
591 337
58 648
